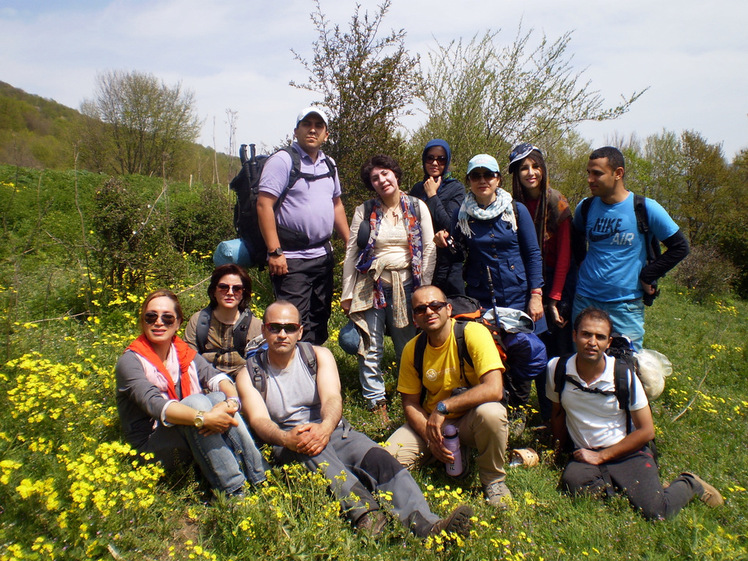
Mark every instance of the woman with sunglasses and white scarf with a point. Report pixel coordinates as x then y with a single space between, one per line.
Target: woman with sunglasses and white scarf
176 406
502 259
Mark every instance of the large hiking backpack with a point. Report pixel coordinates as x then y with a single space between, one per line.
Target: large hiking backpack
246 186
257 364
240 331
642 225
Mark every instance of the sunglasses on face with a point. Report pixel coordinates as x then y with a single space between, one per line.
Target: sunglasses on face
439 159
478 175
152 317
226 288
278 327
435 306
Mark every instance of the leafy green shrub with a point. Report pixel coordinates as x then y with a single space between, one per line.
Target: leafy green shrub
202 217
706 271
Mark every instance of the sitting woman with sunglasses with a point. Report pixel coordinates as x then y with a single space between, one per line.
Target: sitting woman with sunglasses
443 194
390 253
165 409
220 332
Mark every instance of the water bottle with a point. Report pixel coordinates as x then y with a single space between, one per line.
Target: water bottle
452 443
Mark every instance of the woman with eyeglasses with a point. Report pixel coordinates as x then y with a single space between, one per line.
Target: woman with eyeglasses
390 253
173 404
220 331
443 194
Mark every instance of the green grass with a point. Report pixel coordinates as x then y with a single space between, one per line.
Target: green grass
70 490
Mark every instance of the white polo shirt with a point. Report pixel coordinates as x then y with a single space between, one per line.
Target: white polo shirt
594 420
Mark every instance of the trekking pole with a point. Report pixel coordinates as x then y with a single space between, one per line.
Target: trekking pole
493 297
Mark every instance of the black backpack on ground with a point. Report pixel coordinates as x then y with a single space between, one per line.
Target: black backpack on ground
241 328
257 364
642 224
246 186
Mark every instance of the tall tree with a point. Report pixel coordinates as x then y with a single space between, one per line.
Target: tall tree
145 123
368 81
485 97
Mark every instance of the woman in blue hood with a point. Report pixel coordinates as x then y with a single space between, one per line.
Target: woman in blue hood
443 194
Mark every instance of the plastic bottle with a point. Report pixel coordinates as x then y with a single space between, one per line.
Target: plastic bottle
452 443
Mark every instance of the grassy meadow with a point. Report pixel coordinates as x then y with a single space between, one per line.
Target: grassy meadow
71 489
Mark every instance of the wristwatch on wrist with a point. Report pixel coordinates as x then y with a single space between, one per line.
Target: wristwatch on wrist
441 407
276 252
199 419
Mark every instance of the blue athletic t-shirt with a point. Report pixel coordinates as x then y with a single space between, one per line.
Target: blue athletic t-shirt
617 251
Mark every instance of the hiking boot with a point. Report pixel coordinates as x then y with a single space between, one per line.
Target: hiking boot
497 494
372 523
458 522
709 495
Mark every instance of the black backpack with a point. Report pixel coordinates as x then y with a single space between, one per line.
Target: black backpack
257 366
246 186
364 230
241 328
642 224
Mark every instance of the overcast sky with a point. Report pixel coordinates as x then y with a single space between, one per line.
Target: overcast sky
693 56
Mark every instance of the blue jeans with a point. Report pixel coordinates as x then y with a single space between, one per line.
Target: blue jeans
627 317
379 321
225 460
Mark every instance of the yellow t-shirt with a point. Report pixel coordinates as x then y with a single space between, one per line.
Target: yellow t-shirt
441 365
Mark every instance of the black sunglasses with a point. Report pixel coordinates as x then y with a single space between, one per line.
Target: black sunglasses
278 327
435 306
236 288
440 159
152 317
478 175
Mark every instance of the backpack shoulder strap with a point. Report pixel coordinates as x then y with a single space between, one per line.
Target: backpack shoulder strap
642 225
462 352
559 375
306 350
416 206
586 204
364 229
293 175
241 329
257 365
418 351
624 388
203 325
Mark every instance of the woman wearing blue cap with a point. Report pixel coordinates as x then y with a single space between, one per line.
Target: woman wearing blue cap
502 258
443 194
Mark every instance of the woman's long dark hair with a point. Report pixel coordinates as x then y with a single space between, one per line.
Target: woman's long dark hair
518 192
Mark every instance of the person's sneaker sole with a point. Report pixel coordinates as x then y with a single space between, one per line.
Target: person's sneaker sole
458 522
710 496
372 523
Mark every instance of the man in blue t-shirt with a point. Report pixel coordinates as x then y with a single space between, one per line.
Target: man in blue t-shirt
614 275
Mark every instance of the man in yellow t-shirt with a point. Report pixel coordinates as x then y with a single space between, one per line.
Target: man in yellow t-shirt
468 397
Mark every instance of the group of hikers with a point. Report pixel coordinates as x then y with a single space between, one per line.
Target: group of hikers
575 278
